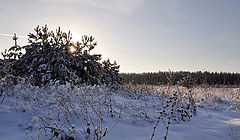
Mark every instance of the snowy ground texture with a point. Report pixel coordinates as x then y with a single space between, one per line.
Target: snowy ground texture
130 113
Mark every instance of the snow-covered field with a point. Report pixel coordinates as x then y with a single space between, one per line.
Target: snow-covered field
130 113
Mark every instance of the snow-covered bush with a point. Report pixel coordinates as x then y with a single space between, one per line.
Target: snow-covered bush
52 56
90 112
61 111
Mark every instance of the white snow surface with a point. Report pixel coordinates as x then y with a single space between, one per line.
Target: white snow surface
22 106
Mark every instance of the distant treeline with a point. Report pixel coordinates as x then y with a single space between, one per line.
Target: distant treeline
197 78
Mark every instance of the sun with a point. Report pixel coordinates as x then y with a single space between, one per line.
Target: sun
72 49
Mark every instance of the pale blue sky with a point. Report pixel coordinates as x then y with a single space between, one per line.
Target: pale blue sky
141 35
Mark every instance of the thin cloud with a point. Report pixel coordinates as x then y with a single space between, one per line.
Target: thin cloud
118 6
10 35
224 40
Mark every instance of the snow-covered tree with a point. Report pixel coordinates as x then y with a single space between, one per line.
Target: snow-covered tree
52 56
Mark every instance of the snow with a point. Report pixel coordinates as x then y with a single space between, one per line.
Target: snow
17 120
9 128
217 127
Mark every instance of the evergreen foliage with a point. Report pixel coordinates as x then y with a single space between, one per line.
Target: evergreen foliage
183 78
52 56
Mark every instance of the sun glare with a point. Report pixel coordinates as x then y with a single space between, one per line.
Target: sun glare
72 49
